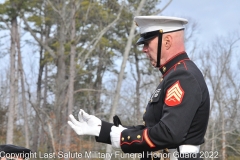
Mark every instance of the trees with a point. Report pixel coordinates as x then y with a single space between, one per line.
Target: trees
222 133
86 58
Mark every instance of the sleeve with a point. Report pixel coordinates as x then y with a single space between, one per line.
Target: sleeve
104 136
182 97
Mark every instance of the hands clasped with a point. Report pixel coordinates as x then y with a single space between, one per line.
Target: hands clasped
86 124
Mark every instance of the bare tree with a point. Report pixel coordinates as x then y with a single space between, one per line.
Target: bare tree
216 66
72 69
24 101
12 104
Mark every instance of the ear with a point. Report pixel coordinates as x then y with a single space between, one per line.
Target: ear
168 42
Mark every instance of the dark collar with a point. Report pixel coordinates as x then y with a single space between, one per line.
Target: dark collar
171 62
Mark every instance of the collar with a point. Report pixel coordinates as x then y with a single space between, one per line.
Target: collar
171 62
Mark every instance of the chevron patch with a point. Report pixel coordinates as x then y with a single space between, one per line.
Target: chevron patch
174 95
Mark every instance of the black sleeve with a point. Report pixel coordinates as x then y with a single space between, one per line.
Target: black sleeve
104 135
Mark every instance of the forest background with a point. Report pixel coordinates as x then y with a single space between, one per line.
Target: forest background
63 55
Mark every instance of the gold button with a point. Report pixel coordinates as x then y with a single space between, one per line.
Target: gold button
164 69
128 137
161 31
144 123
122 138
161 79
138 137
145 111
179 63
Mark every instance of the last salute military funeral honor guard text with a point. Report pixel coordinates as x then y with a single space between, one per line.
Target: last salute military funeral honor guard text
177 112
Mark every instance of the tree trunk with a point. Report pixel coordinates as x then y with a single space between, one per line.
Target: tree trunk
72 68
138 82
223 131
24 102
60 109
10 124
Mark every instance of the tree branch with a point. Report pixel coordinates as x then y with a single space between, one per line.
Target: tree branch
99 36
161 10
46 47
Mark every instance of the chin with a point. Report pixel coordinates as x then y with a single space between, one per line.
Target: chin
154 64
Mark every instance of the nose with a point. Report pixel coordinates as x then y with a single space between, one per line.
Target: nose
145 48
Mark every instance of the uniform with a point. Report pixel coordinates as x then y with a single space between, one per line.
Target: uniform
177 112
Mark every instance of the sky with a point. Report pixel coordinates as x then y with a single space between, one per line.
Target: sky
214 17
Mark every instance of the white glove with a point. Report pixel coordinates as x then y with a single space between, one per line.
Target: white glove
115 135
87 124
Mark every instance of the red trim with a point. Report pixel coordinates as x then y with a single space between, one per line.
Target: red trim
130 142
171 59
185 65
175 65
147 139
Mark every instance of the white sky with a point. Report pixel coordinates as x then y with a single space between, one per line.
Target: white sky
214 17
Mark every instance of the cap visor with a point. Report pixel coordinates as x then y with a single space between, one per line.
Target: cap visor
142 40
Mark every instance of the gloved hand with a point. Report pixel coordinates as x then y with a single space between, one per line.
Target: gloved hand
115 135
86 124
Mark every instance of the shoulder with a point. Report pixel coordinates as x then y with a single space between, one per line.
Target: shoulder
186 69
185 74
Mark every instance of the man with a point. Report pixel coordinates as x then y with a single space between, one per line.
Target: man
177 113
12 152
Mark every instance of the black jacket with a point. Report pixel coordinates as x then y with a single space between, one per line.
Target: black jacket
177 112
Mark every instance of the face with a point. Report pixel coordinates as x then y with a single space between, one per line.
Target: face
150 48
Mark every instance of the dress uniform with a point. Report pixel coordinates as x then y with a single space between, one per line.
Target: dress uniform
177 113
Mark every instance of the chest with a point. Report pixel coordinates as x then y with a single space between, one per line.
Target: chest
154 107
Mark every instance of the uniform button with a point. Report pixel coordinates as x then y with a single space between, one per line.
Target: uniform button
138 137
161 79
145 111
164 69
144 123
128 137
179 62
122 138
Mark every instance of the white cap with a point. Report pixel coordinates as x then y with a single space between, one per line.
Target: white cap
153 23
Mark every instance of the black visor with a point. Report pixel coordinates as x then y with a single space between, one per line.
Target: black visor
147 36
